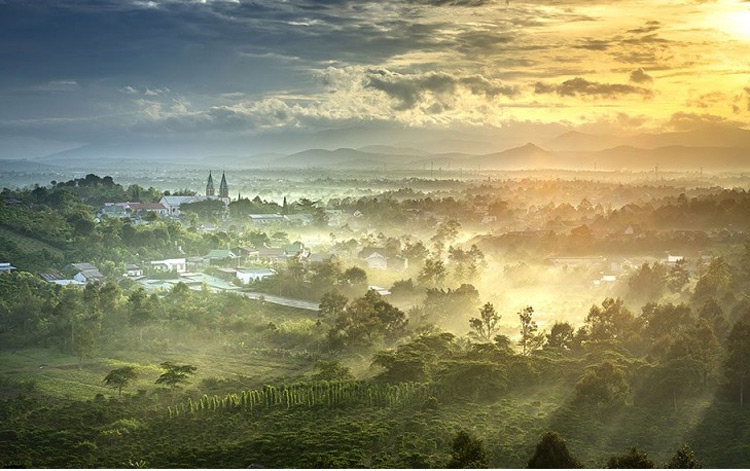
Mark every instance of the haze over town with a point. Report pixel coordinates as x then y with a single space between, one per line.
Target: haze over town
379 234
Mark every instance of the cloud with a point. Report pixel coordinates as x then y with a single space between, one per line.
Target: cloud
411 89
682 121
742 100
640 76
582 87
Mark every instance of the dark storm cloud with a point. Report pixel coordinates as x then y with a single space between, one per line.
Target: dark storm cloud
582 87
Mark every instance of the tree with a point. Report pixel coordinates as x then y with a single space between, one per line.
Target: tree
367 319
737 363
331 371
632 459
467 451
530 339
602 384
552 453
561 336
433 273
648 282
678 276
611 321
175 374
684 458
120 377
485 327
332 304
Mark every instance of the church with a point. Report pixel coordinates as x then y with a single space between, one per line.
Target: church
173 203
223 187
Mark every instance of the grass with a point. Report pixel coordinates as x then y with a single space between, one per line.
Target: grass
28 244
58 374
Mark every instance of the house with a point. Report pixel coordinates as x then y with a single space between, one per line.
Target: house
246 253
84 272
6 267
145 208
220 257
300 219
227 274
271 254
377 261
381 291
171 264
196 264
133 271
320 257
262 219
246 275
74 283
672 259
172 203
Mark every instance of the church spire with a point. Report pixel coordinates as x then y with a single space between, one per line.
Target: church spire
210 185
223 187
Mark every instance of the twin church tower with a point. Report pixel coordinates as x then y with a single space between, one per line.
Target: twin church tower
223 187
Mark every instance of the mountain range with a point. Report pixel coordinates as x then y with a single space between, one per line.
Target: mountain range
710 148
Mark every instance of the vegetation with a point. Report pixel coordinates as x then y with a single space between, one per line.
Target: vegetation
462 365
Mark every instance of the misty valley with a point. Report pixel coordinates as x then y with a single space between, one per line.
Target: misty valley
324 318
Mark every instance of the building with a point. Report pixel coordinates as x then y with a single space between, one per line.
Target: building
171 264
220 257
210 185
247 275
133 271
262 219
6 267
223 187
84 272
377 261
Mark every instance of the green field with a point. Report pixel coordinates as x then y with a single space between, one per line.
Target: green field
58 374
28 244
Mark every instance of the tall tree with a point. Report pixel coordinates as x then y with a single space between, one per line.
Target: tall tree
531 339
485 327
737 363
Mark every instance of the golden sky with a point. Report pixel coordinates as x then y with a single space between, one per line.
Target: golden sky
81 70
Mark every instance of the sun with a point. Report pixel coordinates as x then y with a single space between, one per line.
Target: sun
735 22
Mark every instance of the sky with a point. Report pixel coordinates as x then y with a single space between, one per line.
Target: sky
82 71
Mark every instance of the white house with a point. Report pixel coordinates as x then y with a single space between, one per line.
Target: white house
171 264
377 261
133 271
84 272
6 267
246 275
674 258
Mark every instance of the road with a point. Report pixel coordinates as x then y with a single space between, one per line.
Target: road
289 302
